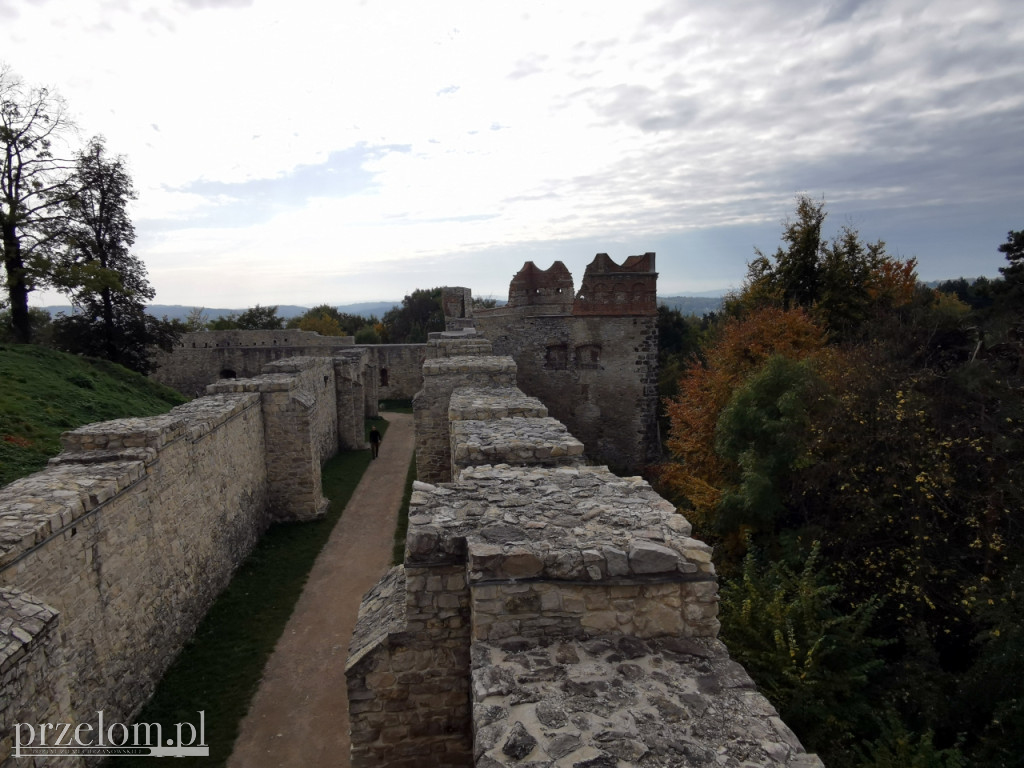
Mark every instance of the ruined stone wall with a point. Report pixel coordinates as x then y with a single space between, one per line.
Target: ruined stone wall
592 612
33 676
409 670
591 358
457 304
441 377
597 375
353 376
298 398
398 369
203 357
129 535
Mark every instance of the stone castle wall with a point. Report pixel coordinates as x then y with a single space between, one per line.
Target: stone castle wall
111 556
592 357
597 375
32 671
398 369
572 620
441 377
356 400
129 535
299 403
203 357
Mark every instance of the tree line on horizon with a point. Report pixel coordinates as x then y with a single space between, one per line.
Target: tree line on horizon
419 314
851 442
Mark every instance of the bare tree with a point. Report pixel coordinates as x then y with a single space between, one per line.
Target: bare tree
32 181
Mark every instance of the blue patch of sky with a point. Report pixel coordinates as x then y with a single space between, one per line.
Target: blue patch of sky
240 204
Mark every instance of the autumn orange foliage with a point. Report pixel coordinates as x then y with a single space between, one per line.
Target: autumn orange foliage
695 475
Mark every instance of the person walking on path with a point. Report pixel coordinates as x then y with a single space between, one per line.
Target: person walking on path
375 441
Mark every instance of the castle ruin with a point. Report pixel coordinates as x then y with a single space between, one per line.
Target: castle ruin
549 612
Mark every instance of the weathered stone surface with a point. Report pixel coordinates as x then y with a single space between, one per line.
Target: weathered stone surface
580 522
653 715
592 357
515 440
519 743
487 403
648 557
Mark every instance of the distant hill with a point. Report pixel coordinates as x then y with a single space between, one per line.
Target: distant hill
287 311
688 305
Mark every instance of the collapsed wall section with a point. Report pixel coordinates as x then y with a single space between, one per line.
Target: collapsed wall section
128 536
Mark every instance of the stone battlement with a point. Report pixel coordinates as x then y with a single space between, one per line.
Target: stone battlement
544 615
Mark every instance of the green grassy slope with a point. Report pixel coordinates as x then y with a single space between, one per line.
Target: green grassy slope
44 392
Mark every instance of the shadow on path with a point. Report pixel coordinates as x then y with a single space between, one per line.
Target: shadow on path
299 715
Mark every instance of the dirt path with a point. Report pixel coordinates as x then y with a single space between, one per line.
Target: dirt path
299 716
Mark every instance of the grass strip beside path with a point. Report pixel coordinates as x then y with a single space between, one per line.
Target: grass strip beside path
402 526
219 669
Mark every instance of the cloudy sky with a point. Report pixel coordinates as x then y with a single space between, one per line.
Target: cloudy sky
335 151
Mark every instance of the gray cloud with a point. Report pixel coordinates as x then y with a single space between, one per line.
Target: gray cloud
842 11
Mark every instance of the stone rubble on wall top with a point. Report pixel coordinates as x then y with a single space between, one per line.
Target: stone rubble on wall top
564 523
381 612
33 508
493 403
192 420
618 700
514 440
469 364
22 618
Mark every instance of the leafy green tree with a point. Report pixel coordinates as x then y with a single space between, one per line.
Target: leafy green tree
196 319
764 433
260 319
42 326
1013 272
813 658
228 322
419 314
976 294
96 269
329 321
679 339
698 474
842 283
322 323
368 334
897 747
32 180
